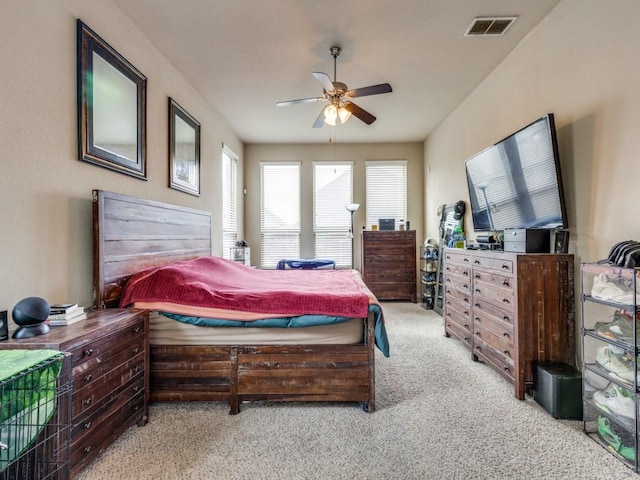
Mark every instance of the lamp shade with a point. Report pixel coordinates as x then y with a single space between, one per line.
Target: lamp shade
352 207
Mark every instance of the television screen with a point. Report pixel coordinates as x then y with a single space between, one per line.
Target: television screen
516 183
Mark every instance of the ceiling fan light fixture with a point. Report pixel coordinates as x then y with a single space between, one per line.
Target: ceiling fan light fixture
330 115
344 114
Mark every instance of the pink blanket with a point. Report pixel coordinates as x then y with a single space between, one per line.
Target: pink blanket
214 282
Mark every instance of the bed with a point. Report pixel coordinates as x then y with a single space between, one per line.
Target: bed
276 364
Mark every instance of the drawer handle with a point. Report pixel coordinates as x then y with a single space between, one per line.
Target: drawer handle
477 275
466 339
88 352
506 319
505 368
136 330
505 334
464 285
505 266
88 378
465 300
477 290
465 273
136 388
505 300
88 401
477 262
135 369
466 312
136 408
466 326
87 449
506 283
507 352
477 305
86 425
136 350
465 260
448 269
477 319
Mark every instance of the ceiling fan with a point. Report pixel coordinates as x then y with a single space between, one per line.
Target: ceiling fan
340 107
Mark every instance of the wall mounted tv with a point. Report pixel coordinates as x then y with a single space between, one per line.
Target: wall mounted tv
516 183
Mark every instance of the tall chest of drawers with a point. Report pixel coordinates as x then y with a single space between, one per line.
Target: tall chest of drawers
110 377
389 264
511 310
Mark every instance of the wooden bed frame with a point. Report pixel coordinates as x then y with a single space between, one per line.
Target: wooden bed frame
131 234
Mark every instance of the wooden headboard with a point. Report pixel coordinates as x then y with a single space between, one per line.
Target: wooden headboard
131 234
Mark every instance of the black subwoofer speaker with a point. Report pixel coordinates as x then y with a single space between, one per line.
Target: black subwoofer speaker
557 387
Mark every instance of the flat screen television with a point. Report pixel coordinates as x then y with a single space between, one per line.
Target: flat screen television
516 183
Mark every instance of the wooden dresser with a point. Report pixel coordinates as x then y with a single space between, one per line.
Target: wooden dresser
511 310
389 264
110 377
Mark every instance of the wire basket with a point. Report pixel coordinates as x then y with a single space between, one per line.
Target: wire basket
35 421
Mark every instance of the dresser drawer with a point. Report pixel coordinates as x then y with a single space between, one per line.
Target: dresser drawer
89 371
481 306
458 331
496 279
502 265
502 297
502 342
107 344
457 256
92 435
90 396
502 363
90 421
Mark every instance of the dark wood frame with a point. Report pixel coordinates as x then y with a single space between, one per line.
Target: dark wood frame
175 112
88 42
131 234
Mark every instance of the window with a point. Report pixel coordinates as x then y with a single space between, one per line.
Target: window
386 185
332 190
279 212
229 200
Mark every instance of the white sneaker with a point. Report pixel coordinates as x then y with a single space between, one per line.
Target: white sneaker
612 288
615 362
615 400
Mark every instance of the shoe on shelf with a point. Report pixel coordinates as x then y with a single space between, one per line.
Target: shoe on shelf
618 401
612 440
615 361
620 328
612 288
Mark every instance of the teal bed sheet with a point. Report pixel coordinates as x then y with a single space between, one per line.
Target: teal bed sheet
380 332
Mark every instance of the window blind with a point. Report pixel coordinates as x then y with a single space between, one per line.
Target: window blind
279 212
332 190
386 184
229 200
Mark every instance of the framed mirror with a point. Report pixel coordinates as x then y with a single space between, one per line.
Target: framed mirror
184 150
111 107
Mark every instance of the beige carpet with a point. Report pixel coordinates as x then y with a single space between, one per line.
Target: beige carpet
439 416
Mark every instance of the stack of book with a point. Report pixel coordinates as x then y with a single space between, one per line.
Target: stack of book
66 314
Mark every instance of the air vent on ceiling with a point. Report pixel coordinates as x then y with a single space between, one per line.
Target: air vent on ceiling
489 26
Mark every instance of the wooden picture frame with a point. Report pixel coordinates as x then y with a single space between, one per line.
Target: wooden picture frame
112 96
184 150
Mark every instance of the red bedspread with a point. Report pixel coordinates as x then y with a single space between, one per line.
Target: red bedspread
214 282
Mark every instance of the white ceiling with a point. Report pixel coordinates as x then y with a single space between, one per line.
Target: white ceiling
243 56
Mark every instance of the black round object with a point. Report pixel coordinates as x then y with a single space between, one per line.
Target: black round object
30 311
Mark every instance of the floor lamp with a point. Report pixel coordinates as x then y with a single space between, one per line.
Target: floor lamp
352 207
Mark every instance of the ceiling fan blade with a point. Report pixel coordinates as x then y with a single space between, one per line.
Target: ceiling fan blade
300 100
320 120
370 90
359 112
325 81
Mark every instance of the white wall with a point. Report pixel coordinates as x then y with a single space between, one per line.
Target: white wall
581 63
45 191
307 154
